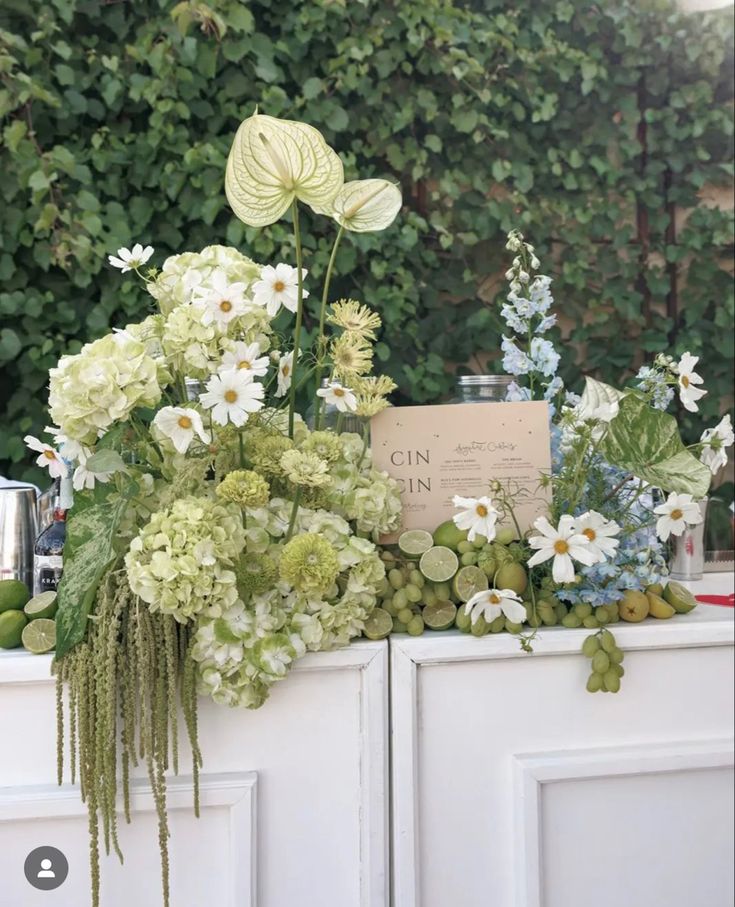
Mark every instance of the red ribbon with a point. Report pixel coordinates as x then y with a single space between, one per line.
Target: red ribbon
726 601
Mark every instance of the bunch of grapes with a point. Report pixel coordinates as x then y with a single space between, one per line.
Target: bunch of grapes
606 659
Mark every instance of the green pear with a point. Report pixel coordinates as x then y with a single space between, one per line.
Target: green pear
634 606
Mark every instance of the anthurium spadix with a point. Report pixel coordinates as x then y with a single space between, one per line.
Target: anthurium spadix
363 206
272 162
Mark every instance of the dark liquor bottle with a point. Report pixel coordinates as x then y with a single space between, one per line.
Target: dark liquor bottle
49 549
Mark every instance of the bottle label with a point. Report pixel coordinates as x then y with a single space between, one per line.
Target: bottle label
47 570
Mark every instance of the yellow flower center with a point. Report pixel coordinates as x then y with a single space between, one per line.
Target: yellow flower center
244 364
676 514
279 286
481 510
49 454
590 533
339 392
494 599
184 422
225 305
560 546
231 396
685 381
286 370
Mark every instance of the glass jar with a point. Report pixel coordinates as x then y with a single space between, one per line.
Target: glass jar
481 388
333 418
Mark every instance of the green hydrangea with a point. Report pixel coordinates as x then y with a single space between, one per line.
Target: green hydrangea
244 487
309 563
374 503
304 468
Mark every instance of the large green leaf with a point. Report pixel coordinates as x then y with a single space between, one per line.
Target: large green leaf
646 442
89 551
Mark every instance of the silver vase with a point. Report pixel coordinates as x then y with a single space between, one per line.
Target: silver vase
687 558
18 531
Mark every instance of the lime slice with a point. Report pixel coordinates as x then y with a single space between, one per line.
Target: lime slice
378 625
39 636
679 597
43 605
413 542
439 564
468 581
440 616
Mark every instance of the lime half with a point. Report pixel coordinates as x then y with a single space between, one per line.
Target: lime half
43 605
378 625
468 581
440 616
679 597
439 564
413 542
39 636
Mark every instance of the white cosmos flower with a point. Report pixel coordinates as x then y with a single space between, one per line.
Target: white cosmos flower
679 511
599 532
494 602
278 287
246 357
688 378
716 441
221 301
131 259
49 457
85 478
477 515
180 424
69 449
337 395
285 373
232 396
564 544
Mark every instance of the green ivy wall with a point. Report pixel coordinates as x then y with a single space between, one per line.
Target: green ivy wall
597 131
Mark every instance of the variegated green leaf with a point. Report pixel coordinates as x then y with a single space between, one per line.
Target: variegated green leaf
363 206
272 162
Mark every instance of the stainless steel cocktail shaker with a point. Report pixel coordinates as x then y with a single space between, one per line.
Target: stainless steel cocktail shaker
18 531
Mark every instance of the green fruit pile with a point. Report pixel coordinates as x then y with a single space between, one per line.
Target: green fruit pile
24 620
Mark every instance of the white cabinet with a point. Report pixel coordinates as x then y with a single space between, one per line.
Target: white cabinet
514 787
294 797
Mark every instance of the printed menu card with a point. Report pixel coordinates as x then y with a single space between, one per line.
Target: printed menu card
436 452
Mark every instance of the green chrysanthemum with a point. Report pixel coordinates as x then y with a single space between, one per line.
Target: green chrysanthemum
304 468
325 444
265 450
255 573
309 563
244 487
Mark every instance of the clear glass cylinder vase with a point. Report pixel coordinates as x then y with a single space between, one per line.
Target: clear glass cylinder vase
481 388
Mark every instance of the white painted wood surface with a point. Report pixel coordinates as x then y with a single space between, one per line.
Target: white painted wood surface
314 760
514 787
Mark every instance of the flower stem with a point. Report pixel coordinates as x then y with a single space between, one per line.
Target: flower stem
299 318
365 442
294 513
242 449
322 321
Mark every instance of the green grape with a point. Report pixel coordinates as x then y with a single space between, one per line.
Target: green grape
442 591
415 626
505 535
464 547
405 615
614 610
561 611
590 646
396 578
480 627
591 622
417 578
400 599
600 660
594 682
388 606
607 640
479 542
388 556
602 614
512 627
619 670
614 615
583 610
398 626
617 655
612 681
429 596
571 621
463 621
413 593
533 620
498 625
468 559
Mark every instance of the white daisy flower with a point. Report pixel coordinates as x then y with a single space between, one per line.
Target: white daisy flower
494 602
285 373
688 379
564 544
338 395
246 357
477 515
85 478
69 449
131 259
679 511
49 457
220 301
716 441
599 532
278 287
232 396
181 425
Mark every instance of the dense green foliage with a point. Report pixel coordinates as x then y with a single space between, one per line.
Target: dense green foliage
585 127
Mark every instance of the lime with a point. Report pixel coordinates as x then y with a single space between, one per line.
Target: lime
378 625
505 535
11 628
679 597
440 616
413 542
448 535
39 636
42 605
512 576
468 581
439 564
13 594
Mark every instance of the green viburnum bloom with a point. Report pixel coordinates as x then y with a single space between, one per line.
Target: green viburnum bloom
244 487
310 564
325 444
255 573
304 468
265 449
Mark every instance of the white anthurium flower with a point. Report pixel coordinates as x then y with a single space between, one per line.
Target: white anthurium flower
494 602
48 458
246 358
564 544
232 396
181 425
83 476
689 393
221 301
278 287
285 374
600 532
131 259
364 206
678 512
274 162
338 395
716 441
477 515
